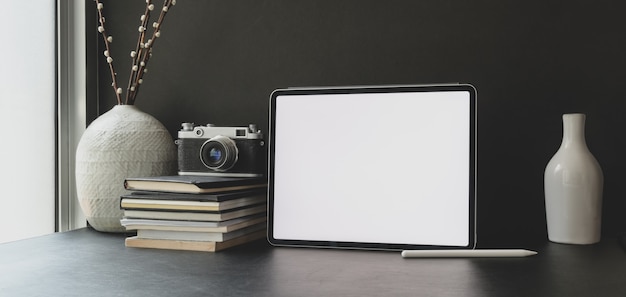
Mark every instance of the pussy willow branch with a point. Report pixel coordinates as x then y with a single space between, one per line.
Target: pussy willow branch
107 53
145 52
145 18
142 53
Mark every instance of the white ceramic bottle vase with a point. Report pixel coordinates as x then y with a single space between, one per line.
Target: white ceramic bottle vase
573 184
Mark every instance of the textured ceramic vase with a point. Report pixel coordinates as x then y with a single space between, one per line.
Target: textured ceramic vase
573 184
123 142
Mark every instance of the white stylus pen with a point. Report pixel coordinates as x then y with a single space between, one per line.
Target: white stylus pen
467 253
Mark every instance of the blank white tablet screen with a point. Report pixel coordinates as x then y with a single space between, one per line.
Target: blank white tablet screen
373 167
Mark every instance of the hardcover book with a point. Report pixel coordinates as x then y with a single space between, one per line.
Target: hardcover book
193 183
188 245
194 226
214 216
193 202
198 236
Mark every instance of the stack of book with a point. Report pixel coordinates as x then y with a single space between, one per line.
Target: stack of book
200 213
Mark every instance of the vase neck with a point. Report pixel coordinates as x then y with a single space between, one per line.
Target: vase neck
574 130
124 106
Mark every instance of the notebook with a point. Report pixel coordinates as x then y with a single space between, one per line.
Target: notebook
373 167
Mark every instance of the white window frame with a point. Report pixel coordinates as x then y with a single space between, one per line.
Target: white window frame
71 108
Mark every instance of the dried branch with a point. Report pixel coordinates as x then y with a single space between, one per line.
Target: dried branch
107 52
142 53
136 54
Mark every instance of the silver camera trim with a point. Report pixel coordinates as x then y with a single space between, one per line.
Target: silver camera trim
210 131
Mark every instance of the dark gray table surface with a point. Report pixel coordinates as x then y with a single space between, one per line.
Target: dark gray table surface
89 263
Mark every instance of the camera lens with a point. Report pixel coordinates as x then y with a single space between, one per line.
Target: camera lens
215 155
219 153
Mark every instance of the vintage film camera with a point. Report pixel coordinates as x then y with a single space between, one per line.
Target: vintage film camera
221 151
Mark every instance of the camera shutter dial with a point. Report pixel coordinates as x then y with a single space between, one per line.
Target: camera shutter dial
219 153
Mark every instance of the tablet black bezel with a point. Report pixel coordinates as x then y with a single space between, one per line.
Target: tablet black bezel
372 89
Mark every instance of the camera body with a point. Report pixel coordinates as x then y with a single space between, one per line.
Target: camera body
221 151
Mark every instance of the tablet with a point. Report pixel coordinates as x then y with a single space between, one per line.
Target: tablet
373 167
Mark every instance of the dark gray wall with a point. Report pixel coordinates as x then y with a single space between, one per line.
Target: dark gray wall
531 61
